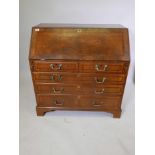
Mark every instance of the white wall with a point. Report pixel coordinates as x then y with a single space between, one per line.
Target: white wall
33 12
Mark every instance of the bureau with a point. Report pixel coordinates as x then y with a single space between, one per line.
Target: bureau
79 67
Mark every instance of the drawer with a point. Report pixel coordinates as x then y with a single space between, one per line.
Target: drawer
54 77
100 90
101 67
53 66
55 89
56 100
78 102
78 89
98 78
99 102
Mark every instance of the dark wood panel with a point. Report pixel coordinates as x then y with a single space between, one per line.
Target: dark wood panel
79 44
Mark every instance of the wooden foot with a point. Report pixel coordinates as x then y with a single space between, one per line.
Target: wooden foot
117 114
41 110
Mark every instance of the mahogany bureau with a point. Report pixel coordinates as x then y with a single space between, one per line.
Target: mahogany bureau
79 67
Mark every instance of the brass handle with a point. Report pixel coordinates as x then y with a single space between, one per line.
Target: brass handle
96 104
58 102
100 80
52 77
53 66
58 91
104 69
99 92
59 77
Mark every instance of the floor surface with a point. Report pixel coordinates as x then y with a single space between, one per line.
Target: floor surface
74 132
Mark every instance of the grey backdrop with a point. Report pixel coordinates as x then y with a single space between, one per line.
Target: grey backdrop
33 12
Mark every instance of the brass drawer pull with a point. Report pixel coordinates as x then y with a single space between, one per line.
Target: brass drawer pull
58 91
52 77
100 80
59 77
58 102
96 104
99 92
104 69
53 66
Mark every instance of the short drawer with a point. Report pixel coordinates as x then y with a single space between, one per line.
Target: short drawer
55 89
56 100
53 66
100 67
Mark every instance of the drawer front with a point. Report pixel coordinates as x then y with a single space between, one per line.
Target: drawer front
78 102
50 66
96 102
78 89
56 100
79 78
101 67
55 89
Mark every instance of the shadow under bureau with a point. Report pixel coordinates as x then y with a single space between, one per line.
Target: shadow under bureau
79 67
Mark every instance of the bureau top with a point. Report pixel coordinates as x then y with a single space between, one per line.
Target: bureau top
79 42
54 25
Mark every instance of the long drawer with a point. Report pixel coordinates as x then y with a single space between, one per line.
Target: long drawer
80 102
78 89
98 78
